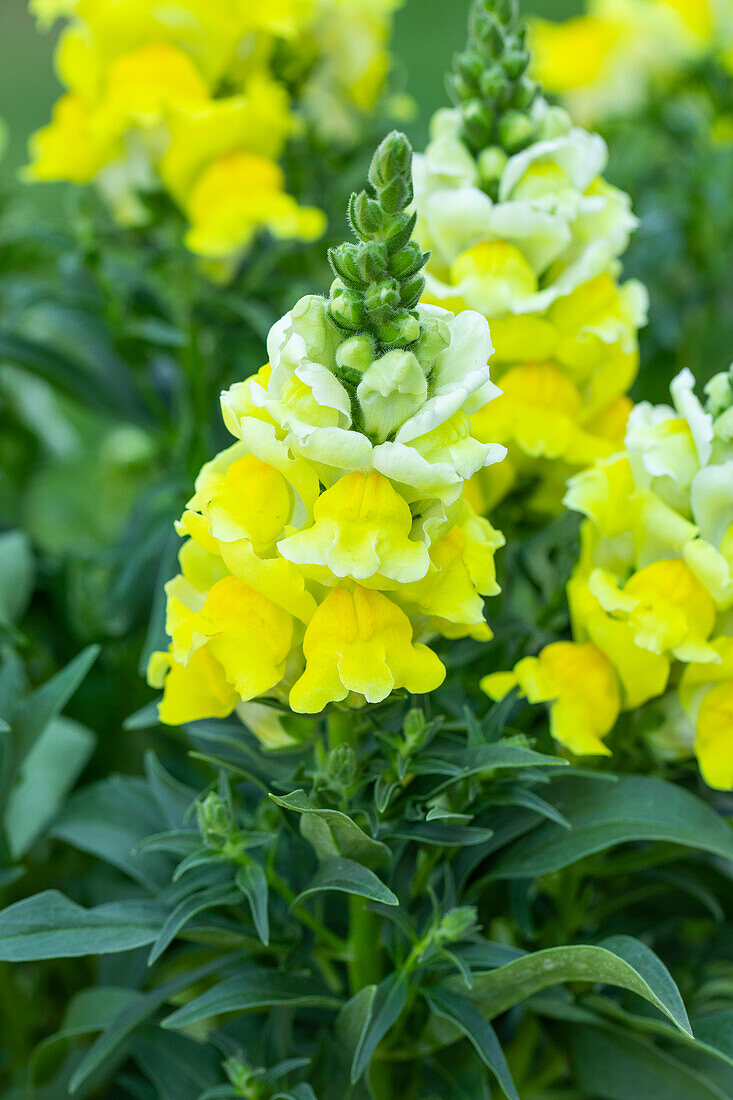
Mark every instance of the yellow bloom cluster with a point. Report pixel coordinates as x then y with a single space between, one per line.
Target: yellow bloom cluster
605 61
199 97
333 537
532 241
651 598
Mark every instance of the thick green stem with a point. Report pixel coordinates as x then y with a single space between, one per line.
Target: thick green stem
340 729
365 966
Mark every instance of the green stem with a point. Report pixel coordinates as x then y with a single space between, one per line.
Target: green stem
340 729
324 934
364 954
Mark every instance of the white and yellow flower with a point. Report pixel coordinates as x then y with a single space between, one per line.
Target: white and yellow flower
535 249
332 539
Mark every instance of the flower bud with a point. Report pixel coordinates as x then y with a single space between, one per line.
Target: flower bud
373 261
402 330
434 338
344 261
456 923
346 308
478 119
491 164
492 81
341 766
411 291
399 232
407 261
365 215
382 298
391 391
515 130
514 63
524 94
355 356
215 821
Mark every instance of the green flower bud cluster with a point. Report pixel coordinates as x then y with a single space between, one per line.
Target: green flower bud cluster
490 85
215 821
379 279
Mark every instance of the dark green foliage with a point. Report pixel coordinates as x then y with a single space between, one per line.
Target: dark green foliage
386 891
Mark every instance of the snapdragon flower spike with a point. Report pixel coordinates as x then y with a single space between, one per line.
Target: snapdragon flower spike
379 279
332 540
651 597
520 225
490 85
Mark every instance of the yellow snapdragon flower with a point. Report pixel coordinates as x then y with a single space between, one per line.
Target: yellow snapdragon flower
605 61
199 99
652 591
535 250
579 682
332 540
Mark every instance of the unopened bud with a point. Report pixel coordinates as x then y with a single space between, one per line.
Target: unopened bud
373 261
400 331
346 307
344 261
407 261
366 215
516 130
215 820
381 299
341 766
491 164
456 923
355 356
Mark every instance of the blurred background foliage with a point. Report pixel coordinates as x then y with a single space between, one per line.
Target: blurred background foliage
109 372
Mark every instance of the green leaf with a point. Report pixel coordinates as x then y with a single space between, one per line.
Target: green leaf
252 881
602 815
139 1010
350 878
466 1017
210 898
715 1032
16 576
620 961
174 799
252 989
612 1066
483 759
46 702
333 833
90 1010
385 1009
109 819
179 1067
50 926
49 770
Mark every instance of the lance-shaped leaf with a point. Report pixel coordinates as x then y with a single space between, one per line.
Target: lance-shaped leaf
50 926
350 878
602 815
619 960
466 1017
333 833
252 989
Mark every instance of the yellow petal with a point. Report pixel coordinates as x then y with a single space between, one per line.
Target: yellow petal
361 642
714 740
361 529
249 635
193 691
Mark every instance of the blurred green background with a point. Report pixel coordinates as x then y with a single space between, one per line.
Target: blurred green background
427 34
